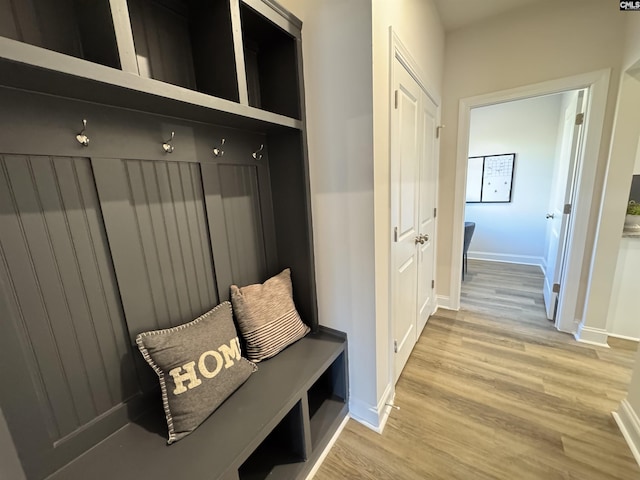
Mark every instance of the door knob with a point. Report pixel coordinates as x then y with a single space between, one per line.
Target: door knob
426 237
419 239
550 215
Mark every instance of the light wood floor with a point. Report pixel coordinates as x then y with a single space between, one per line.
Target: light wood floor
495 392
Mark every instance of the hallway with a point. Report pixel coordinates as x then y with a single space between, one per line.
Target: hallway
495 392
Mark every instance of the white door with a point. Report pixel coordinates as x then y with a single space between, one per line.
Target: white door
412 200
426 214
562 191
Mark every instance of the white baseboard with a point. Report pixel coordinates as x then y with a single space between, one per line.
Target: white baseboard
507 258
445 302
629 424
624 337
327 449
373 417
592 336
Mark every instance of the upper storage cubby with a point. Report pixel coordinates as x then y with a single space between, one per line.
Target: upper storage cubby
187 43
81 28
271 64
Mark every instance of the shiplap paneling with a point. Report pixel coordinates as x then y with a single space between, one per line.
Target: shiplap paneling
240 195
56 264
155 220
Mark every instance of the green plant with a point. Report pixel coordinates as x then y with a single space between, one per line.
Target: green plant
633 208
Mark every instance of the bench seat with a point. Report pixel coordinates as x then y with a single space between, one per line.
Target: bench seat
310 372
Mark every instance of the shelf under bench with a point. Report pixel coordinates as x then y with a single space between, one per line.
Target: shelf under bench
219 447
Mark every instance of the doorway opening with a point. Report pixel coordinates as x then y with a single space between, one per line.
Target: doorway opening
520 186
596 85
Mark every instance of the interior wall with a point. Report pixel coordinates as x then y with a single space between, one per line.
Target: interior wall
346 72
516 231
508 51
336 43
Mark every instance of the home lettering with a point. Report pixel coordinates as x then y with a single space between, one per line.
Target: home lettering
230 353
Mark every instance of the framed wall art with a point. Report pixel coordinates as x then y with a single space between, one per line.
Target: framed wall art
490 178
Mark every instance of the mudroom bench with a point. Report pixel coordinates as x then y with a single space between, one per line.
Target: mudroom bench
274 426
153 153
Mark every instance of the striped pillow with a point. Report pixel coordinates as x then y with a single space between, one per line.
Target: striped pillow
267 317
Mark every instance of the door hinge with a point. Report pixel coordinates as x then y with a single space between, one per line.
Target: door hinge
395 234
556 288
395 346
580 119
567 208
396 99
433 284
435 212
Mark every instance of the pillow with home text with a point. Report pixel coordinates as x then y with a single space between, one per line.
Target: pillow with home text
199 365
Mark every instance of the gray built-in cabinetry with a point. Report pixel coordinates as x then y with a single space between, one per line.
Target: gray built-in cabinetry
101 242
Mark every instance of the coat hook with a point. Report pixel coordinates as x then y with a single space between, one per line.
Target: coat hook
218 152
168 148
81 137
257 155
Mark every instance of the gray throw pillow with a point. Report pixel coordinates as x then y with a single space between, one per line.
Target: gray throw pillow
199 365
267 317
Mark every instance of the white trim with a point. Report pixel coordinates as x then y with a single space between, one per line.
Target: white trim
327 449
598 84
629 424
384 407
592 336
507 258
402 53
623 337
445 302
373 417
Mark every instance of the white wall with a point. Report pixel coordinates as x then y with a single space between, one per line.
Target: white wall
621 165
336 39
516 231
346 70
540 42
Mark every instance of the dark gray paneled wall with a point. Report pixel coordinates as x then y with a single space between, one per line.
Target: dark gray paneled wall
63 327
244 223
100 243
154 212
60 275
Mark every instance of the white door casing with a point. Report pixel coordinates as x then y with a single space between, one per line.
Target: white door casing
413 175
597 83
562 192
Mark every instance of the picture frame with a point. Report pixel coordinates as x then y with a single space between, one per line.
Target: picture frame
490 178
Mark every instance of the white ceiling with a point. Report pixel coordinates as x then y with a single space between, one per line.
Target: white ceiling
461 13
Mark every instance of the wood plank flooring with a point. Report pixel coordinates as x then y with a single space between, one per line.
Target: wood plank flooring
495 392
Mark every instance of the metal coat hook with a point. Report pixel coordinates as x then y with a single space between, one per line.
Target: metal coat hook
218 152
168 148
257 155
81 137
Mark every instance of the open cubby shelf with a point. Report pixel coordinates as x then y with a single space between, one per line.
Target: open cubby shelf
220 48
281 452
187 43
271 65
82 29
